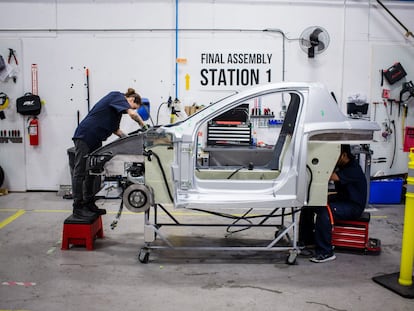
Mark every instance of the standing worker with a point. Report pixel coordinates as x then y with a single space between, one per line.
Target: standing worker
100 123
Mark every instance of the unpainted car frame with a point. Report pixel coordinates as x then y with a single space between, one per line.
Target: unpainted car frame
162 167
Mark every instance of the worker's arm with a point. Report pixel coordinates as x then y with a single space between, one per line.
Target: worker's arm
136 117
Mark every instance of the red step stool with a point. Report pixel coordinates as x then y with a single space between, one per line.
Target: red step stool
81 232
354 234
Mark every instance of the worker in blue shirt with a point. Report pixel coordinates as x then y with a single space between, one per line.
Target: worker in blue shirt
101 122
347 203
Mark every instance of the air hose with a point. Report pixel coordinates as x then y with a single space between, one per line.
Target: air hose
395 144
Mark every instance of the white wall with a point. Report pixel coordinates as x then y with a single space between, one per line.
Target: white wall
133 44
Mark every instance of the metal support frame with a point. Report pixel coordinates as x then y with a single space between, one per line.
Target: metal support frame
252 221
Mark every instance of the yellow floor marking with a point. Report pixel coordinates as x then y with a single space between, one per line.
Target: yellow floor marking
161 213
11 218
52 211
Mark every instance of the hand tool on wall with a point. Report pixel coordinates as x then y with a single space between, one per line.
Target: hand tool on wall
389 131
4 103
407 92
2 63
35 85
375 110
87 89
391 101
12 53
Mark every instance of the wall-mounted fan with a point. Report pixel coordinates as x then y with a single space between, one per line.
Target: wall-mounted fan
314 40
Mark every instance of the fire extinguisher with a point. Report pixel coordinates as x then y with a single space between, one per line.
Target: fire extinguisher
33 131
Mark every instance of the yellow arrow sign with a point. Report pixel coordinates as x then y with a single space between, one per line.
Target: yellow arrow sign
187 82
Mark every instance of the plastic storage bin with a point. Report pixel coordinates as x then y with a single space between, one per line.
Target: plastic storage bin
385 191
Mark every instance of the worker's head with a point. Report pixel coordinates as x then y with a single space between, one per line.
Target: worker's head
346 155
133 98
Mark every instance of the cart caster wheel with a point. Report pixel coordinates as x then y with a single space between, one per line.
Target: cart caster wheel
291 258
143 256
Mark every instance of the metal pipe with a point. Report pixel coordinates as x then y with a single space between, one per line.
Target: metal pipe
408 32
283 49
240 30
176 49
128 30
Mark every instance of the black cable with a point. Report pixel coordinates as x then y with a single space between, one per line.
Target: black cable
245 217
237 220
232 174
158 111
215 213
310 182
395 143
149 154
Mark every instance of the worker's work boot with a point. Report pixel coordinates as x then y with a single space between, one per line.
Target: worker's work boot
91 206
81 212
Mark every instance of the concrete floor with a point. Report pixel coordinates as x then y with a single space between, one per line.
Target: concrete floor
111 277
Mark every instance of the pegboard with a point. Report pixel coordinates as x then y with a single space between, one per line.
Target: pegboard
12 149
384 56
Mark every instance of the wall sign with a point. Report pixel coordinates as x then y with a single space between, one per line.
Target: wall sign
235 69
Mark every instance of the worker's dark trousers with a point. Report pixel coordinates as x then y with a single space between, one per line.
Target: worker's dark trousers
323 226
307 226
82 182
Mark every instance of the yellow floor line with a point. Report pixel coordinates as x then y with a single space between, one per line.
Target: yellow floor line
52 211
11 218
176 213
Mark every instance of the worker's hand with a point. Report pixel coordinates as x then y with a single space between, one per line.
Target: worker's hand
334 177
123 135
145 127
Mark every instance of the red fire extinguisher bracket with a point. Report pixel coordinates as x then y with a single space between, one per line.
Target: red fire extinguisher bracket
33 130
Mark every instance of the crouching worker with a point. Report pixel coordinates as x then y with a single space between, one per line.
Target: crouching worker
347 203
101 122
